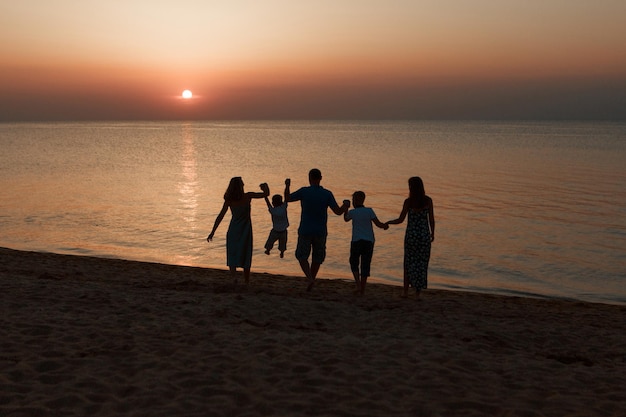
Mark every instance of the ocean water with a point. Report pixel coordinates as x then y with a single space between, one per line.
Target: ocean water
522 208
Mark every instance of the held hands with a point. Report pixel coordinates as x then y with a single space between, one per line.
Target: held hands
265 188
288 182
346 206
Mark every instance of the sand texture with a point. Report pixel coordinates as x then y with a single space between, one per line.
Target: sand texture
84 336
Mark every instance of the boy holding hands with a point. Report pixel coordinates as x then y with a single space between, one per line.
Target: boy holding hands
362 245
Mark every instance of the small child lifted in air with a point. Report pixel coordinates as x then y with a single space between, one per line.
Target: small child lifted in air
280 222
362 245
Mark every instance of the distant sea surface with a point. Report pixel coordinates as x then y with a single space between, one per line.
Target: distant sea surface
532 209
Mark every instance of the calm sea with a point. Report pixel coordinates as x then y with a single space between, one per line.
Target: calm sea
522 208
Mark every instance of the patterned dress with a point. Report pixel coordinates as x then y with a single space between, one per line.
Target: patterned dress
239 237
417 248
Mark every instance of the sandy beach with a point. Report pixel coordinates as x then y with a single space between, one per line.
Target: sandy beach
83 336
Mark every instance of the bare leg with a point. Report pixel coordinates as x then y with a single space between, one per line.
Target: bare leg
363 282
246 275
233 274
306 268
269 245
357 281
315 267
405 293
310 271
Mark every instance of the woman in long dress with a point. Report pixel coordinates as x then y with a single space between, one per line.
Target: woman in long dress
420 233
239 236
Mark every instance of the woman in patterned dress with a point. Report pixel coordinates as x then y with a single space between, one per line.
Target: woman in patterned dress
239 235
420 233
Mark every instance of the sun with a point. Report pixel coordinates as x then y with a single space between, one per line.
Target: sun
187 94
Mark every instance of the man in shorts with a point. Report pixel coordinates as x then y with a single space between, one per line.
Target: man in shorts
315 201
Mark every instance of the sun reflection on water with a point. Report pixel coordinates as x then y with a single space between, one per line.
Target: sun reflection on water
188 190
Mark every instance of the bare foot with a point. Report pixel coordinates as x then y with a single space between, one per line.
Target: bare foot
282 254
267 252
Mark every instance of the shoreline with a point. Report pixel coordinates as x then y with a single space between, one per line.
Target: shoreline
437 284
84 335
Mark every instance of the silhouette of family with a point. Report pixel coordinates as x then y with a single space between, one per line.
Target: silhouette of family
315 201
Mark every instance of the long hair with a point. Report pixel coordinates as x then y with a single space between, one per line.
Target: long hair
234 192
417 194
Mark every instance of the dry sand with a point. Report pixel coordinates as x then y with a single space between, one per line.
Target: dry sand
84 336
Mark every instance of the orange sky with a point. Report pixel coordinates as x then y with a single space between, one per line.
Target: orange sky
279 59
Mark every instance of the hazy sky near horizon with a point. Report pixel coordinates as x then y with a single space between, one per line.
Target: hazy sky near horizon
286 59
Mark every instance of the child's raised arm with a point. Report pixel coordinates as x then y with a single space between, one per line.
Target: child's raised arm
287 192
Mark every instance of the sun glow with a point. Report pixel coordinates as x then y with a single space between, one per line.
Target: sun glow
187 94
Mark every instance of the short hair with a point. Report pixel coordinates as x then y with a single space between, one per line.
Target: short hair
315 174
359 195
277 199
